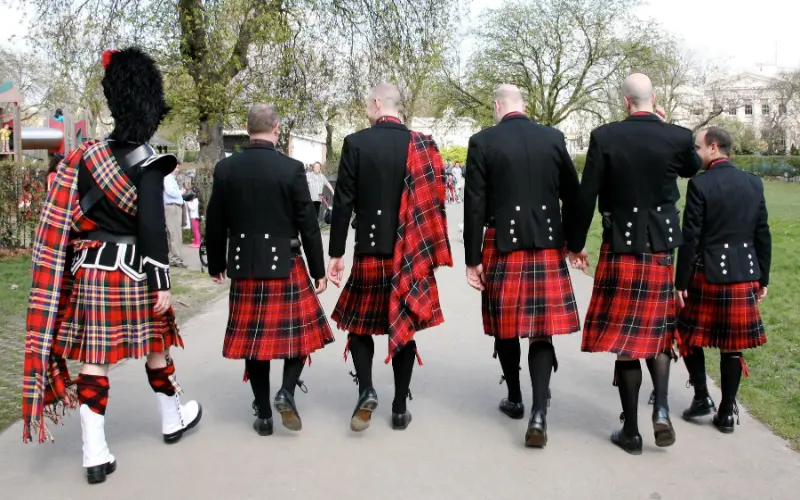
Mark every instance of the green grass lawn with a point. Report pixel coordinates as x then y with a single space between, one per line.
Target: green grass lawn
772 392
192 291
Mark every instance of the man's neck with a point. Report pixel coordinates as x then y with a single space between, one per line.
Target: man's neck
645 109
264 137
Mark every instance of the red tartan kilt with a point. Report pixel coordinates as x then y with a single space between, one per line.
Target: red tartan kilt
363 306
632 311
108 317
528 292
721 316
275 319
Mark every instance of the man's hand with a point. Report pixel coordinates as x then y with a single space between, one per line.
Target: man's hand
321 285
681 295
219 279
336 271
579 260
476 278
163 302
661 113
762 293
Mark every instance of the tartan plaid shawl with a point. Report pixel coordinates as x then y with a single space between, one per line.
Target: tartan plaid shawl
422 243
46 385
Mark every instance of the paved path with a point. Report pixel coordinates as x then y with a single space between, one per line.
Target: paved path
458 446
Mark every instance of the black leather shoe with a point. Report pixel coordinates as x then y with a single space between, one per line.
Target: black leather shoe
662 427
513 410
284 404
263 426
723 423
632 445
699 408
362 415
536 435
98 473
401 421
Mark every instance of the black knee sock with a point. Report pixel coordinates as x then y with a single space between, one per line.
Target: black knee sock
403 367
258 373
509 353
659 373
730 367
629 380
362 348
695 363
541 356
292 368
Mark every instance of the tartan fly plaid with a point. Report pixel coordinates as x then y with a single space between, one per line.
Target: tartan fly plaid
632 310
724 316
275 319
109 317
46 385
528 292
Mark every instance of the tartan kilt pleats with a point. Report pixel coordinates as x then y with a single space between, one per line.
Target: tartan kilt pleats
108 317
632 310
724 316
528 292
363 306
275 319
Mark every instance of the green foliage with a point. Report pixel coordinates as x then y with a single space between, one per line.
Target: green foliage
454 153
745 137
779 166
22 194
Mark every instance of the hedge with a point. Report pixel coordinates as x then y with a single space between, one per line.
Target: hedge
785 167
22 193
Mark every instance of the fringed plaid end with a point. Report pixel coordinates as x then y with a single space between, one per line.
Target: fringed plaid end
744 367
346 349
55 412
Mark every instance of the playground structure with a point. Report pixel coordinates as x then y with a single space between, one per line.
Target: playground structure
50 137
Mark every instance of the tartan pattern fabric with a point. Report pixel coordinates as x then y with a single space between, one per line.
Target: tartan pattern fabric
275 319
110 177
109 317
93 392
162 380
363 305
422 245
528 292
47 389
724 316
632 310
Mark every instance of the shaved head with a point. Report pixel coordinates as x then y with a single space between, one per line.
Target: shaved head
383 100
638 91
261 118
507 99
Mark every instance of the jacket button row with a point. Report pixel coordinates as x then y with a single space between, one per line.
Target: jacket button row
724 271
670 238
274 267
658 209
723 257
517 208
514 240
512 222
627 233
237 257
238 249
745 245
630 224
751 263
379 212
551 229
670 230
237 266
628 242
721 264
544 207
726 245
266 236
241 235
548 221
275 258
372 244
551 238
373 226
635 209
667 221
511 231
751 271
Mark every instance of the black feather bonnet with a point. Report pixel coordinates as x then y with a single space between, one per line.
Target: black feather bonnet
134 90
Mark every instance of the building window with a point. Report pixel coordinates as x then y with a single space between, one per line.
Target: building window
765 109
782 109
748 109
732 109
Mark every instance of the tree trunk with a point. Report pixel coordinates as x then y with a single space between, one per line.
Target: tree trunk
284 132
210 139
328 142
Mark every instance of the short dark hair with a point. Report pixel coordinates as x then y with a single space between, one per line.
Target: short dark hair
721 137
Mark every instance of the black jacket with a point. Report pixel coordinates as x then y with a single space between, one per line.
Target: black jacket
371 176
725 223
633 166
516 173
259 203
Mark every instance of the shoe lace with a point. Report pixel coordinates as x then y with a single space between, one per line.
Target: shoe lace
255 408
622 418
302 386
355 377
736 412
410 396
652 400
502 379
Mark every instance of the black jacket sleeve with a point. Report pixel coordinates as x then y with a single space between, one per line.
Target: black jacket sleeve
217 225
763 239
305 217
343 200
152 229
693 216
691 161
569 192
474 204
591 182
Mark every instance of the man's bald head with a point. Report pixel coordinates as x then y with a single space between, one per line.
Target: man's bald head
507 99
638 92
383 100
262 119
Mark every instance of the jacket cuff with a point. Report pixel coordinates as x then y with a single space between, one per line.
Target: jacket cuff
158 278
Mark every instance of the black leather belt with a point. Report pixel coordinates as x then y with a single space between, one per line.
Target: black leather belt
105 236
